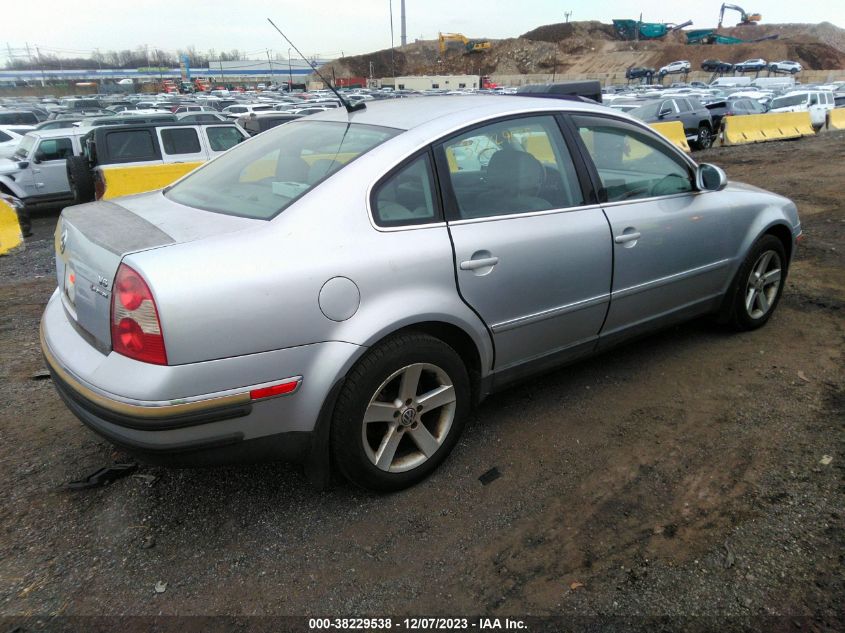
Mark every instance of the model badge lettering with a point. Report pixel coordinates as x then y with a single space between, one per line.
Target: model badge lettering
100 291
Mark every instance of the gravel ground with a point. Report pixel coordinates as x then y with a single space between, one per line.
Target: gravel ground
692 480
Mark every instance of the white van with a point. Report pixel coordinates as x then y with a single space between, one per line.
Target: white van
774 83
816 102
731 82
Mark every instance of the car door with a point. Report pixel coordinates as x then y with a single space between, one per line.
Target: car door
531 259
49 168
672 244
688 117
668 111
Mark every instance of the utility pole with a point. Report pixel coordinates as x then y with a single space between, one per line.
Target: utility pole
41 66
567 14
100 65
269 61
404 36
290 75
392 57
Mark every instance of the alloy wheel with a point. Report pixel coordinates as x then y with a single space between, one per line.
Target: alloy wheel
763 285
409 417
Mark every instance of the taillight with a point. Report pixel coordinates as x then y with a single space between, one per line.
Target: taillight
99 186
135 326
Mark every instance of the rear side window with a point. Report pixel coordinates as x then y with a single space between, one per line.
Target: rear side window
407 197
180 141
4 137
513 166
129 146
683 105
222 138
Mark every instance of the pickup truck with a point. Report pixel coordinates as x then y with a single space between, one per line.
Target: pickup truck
126 159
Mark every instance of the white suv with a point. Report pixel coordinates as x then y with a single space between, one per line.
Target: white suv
674 68
786 66
816 102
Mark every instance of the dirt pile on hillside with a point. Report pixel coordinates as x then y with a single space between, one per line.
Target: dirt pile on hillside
575 48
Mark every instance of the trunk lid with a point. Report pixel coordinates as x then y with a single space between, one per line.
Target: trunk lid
92 239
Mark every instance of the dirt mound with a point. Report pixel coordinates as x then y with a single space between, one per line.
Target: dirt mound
824 32
583 48
567 30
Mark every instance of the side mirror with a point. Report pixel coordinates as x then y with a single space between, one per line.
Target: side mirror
711 178
37 158
664 112
23 164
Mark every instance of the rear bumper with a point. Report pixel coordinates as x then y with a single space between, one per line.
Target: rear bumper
192 414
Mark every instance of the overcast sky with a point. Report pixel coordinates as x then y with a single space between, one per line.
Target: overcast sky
329 27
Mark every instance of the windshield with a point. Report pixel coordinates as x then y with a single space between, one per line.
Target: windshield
25 146
786 102
259 179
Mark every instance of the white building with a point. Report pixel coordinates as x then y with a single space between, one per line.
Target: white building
434 82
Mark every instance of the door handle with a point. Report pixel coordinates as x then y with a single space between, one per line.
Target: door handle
627 237
475 264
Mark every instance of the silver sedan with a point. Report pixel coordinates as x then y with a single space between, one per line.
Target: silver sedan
345 288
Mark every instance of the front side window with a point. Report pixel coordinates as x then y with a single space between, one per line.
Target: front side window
514 166
261 178
55 149
407 197
631 163
4 137
222 138
180 141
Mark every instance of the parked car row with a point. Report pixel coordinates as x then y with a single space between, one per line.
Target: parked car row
716 66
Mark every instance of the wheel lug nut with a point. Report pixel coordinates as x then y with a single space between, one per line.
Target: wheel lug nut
419 408
408 402
395 414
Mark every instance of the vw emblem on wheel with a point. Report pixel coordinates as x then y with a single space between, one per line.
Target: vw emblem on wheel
408 416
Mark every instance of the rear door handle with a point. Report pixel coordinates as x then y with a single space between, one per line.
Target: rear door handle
475 264
626 237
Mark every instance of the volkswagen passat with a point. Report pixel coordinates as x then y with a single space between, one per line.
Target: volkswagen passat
344 288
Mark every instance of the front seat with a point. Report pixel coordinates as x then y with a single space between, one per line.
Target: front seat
514 179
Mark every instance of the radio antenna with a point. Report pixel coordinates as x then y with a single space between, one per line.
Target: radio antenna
350 107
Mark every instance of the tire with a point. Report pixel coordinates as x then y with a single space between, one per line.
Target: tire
80 180
404 441
704 138
749 308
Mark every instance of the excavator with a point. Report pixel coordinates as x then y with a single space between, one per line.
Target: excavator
745 18
471 46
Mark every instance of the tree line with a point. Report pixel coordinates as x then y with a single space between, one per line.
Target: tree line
141 57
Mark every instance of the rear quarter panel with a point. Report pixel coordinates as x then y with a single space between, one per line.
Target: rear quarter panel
260 289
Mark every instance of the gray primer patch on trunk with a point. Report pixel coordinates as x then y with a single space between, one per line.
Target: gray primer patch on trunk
114 228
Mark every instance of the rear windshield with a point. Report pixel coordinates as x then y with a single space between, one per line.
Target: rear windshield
261 178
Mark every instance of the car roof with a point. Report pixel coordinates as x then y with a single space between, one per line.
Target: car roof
60 132
406 114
